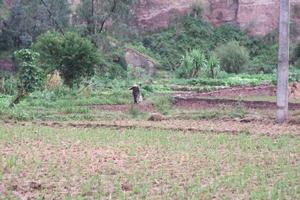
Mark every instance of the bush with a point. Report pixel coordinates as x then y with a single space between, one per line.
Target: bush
73 56
213 66
193 64
296 55
233 57
30 76
113 64
168 46
8 83
163 104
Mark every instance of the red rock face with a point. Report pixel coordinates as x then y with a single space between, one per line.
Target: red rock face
154 14
258 17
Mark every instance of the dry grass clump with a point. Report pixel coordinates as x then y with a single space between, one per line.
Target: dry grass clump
53 81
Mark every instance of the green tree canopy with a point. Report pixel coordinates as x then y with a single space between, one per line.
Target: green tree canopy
29 18
73 56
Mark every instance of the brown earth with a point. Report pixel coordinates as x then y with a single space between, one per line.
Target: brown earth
196 103
215 126
145 107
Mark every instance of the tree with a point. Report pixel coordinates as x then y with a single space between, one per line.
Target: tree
73 56
283 62
29 18
96 13
30 76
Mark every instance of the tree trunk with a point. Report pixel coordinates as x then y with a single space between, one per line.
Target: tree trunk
283 62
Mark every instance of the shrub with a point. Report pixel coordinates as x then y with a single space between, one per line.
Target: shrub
233 57
168 46
7 83
113 64
296 54
30 76
213 66
73 56
192 64
163 104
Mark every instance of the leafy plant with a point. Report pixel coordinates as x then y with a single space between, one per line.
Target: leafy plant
192 64
233 57
73 56
163 104
213 66
30 76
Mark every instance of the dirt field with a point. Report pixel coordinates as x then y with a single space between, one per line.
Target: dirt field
39 162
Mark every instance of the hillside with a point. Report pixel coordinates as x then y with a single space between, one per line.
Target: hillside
258 17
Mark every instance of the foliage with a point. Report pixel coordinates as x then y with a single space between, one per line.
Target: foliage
171 44
294 74
30 18
265 62
8 83
233 57
213 66
195 64
49 46
296 53
230 80
3 11
189 33
73 56
192 65
162 104
30 76
96 13
113 64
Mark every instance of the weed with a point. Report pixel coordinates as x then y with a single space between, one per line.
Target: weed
162 104
134 112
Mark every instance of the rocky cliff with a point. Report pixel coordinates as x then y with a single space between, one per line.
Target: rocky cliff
259 17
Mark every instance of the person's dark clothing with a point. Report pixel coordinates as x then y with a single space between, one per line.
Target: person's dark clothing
135 93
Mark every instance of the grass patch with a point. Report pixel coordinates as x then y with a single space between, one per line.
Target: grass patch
162 104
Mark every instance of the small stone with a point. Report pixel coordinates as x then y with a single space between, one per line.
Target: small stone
156 117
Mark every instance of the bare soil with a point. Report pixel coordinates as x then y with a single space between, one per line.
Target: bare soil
215 126
196 103
267 90
145 107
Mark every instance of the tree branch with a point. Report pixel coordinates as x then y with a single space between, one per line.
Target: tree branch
112 10
52 17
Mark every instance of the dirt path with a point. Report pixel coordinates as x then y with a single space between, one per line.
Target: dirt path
214 126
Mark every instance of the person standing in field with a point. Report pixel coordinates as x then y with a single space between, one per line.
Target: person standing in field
137 98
